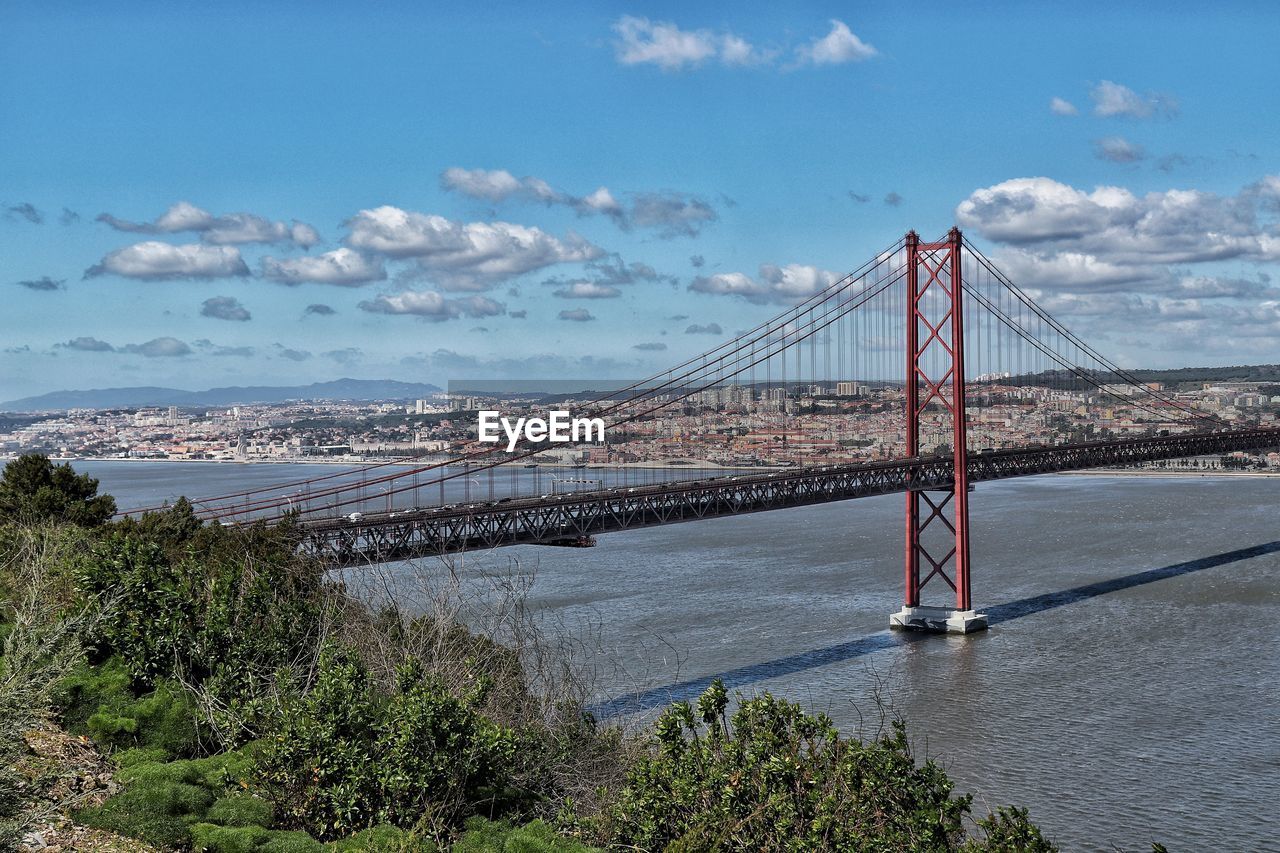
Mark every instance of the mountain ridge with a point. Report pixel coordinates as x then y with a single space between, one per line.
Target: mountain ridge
148 395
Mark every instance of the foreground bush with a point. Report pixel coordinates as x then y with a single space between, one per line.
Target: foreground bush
99 701
162 800
41 638
346 757
35 491
252 706
774 778
220 609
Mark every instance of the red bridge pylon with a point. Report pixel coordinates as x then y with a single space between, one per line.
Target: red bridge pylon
937 541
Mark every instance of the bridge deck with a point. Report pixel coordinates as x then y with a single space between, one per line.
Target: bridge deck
385 537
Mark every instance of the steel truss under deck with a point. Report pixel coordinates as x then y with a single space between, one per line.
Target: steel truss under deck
382 537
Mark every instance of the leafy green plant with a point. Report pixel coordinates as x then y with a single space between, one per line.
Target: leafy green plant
98 701
158 811
224 616
34 490
346 757
486 836
774 778
42 642
1010 830
162 800
212 838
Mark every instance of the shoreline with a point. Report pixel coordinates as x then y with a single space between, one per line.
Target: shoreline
1091 472
364 463
1175 473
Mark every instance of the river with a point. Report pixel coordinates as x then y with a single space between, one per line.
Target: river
1127 691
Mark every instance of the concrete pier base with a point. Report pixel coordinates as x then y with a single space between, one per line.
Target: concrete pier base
939 620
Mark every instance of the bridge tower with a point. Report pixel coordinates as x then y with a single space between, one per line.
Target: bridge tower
937 528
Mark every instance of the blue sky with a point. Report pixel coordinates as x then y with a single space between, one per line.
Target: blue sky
431 175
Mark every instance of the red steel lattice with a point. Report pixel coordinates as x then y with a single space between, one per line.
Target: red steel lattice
937 306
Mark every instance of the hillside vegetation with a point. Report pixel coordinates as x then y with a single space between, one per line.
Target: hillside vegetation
244 700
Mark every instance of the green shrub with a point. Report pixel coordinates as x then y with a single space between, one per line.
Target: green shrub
485 836
88 689
345 757
776 778
382 838
240 809
215 772
283 841
210 838
157 811
34 490
1010 830
98 701
225 609
162 720
162 800
127 758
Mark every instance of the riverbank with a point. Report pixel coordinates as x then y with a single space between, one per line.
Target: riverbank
632 466
673 464
1166 474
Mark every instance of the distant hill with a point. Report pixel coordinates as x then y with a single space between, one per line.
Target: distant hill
1175 377
124 398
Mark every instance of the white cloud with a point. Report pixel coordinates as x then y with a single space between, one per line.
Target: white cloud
303 234
601 201
224 308
787 284
183 216
837 47
87 344
661 43
1117 149
158 261
670 213
642 41
165 347
587 290
492 184
576 315
497 185
430 305
731 284
1266 192
292 354
463 256
735 50
1112 99
231 228
1062 107
342 266
235 228
1113 224
1123 262
208 347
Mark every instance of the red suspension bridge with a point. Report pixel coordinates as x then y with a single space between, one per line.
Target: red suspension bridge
924 371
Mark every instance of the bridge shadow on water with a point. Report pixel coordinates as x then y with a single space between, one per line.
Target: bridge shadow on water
658 697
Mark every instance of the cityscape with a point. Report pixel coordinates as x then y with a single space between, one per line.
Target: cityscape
736 425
